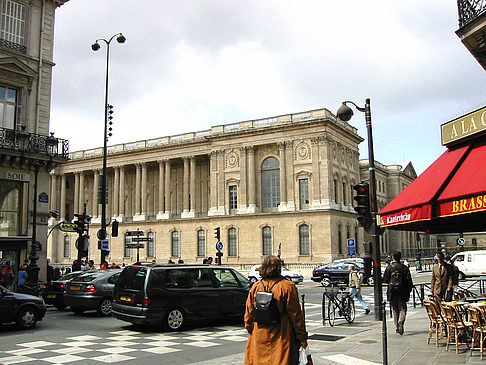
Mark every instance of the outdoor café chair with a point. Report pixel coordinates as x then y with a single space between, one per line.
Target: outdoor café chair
437 322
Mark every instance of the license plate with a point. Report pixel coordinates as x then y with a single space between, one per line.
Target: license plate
75 287
51 295
126 299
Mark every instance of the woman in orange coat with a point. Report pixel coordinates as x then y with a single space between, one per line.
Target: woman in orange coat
275 344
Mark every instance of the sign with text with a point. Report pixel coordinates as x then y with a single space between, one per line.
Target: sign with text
465 126
351 247
140 239
134 245
68 227
134 233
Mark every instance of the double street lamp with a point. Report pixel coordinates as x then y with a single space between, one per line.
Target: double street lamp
101 234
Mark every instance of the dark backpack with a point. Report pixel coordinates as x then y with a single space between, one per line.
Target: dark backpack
266 310
396 279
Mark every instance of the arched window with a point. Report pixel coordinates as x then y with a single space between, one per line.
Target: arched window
10 207
232 242
201 243
270 183
267 241
151 244
67 246
127 251
175 244
340 240
304 248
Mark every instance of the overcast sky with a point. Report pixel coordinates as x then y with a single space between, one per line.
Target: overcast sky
189 65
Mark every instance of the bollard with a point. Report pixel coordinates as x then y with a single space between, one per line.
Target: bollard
303 305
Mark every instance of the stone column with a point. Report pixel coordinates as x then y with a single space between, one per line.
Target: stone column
76 193
242 199
289 161
144 189
283 175
221 183
121 198
213 168
185 189
53 200
315 191
94 203
192 188
116 192
160 214
62 208
138 192
81 192
167 212
252 208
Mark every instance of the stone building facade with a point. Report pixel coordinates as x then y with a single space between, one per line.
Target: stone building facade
275 185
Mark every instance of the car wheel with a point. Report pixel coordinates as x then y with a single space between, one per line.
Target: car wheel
77 310
104 307
371 281
27 318
253 280
462 276
325 282
174 320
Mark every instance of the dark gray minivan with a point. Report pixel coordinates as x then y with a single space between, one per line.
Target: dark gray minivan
169 295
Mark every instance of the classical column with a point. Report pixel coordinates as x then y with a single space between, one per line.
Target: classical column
62 208
192 188
121 198
289 161
81 192
167 191
94 200
316 201
76 193
221 183
54 193
242 199
160 214
116 192
138 192
185 188
252 208
144 190
283 175
213 168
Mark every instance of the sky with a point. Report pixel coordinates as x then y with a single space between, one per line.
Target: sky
189 65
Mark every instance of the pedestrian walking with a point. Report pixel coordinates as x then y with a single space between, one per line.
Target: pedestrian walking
400 285
22 276
441 281
355 281
455 279
274 343
7 276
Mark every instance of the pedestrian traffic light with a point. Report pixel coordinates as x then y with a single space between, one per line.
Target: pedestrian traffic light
363 205
217 233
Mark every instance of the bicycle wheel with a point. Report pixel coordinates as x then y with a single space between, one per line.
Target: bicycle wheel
348 309
331 311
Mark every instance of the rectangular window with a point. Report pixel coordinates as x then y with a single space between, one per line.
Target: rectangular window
8 107
304 193
267 241
344 193
12 31
11 193
233 197
67 246
232 242
175 244
127 251
151 245
201 243
304 240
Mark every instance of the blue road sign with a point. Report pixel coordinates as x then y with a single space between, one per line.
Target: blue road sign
219 245
351 247
105 245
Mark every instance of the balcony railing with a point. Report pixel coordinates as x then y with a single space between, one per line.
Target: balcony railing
13 46
470 10
39 144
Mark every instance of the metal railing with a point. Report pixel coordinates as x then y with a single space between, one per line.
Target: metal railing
470 10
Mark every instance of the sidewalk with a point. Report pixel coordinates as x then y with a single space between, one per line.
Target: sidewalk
360 343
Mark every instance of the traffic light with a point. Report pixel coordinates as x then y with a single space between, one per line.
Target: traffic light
217 233
114 229
83 221
363 205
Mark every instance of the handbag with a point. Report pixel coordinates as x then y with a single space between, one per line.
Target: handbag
305 357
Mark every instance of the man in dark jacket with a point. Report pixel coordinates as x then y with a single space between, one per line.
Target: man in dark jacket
400 284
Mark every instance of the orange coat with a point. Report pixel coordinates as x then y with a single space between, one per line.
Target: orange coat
277 344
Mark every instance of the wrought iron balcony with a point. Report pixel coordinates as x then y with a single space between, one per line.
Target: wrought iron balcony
470 10
32 143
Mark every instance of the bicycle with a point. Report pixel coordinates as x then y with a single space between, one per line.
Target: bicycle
339 305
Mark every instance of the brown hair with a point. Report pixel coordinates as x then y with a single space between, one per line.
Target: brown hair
271 267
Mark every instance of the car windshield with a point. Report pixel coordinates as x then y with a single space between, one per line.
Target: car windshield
87 277
70 276
244 281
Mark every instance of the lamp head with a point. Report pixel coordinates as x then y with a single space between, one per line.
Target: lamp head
121 38
344 113
95 46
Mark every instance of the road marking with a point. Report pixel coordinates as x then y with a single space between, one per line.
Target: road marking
348 360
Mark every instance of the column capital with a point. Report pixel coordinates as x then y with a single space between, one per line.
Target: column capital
281 146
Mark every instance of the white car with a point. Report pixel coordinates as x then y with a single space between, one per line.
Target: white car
294 276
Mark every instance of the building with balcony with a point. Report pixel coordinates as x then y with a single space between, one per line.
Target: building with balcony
472 28
27 150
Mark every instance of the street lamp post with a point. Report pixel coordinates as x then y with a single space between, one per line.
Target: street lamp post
101 234
345 113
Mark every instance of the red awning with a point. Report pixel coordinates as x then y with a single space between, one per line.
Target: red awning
454 185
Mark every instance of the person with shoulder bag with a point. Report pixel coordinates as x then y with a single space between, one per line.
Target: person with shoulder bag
355 281
274 318
400 285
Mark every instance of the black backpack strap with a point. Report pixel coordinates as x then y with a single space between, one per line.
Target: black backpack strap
273 286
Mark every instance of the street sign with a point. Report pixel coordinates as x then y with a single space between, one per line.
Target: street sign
134 233
140 239
68 227
105 245
134 245
219 245
461 241
351 247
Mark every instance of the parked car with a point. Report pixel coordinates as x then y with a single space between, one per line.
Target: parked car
294 276
171 295
23 309
336 273
53 292
470 263
92 290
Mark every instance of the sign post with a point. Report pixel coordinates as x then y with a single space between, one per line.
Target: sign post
351 247
219 254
